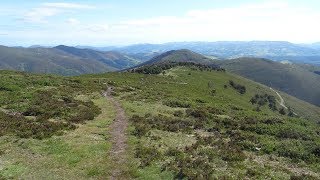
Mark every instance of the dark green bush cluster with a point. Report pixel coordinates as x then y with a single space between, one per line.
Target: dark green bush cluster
144 124
297 142
240 88
191 165
177 103
299 150
203 112
229 138
48 104
24 128
43 107
147 155
195 161
159 68
49 100
262 100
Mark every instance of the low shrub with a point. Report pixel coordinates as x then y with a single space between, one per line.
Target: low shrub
177 103
147 155
240 88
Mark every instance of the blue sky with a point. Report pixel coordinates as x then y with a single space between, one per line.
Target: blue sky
122 22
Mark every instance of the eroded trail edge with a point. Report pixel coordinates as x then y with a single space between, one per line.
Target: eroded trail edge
117 132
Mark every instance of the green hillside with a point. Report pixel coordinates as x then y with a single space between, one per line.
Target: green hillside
62 60
191 121
182 55
110 58
300 81
51 61
275 50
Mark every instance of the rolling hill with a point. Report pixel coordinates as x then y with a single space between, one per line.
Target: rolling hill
62 60
47 60
191 122
300 81
110 58
182 55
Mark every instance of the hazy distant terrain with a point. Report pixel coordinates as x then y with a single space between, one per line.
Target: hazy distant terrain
62 60
274 50
299 80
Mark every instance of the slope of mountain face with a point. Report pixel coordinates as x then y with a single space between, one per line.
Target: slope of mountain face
295 80
188 116
187 123
110 58
63 60
183 55
48 60
275 50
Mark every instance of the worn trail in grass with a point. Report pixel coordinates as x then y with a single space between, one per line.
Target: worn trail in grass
118 137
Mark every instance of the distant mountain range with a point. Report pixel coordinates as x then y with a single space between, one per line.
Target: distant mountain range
299 80
315 45
274 50
62 60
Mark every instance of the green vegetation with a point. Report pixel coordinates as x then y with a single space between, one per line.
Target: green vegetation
62 60
53 127
160 68
240 88
42 106
185 123
180 56
297 80
262 100
181 129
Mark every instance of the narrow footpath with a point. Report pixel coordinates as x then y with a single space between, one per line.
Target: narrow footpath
117 132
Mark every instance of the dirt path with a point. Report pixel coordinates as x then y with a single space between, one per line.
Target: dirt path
282 103
118 137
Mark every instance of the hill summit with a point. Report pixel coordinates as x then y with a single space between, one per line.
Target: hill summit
183 55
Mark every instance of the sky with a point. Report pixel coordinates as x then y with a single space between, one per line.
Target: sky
124 22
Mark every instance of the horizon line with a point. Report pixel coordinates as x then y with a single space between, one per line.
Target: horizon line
150 43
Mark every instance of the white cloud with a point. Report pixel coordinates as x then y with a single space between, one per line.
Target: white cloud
46 10
98 28
68 6
73 21
264 21
39 15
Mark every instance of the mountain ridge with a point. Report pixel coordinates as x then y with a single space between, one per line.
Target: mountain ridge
63 60
274 50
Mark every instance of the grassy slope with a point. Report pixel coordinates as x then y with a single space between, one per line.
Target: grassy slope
183 55
79 153
112 59
82 153
50 61
147 94
291 79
